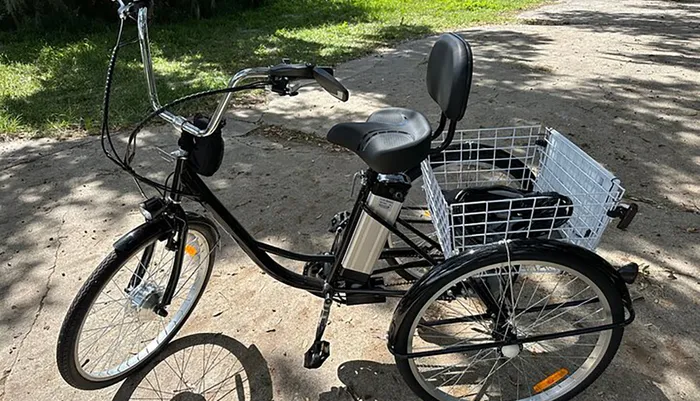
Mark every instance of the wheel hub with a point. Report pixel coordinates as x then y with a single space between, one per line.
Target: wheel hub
188 396
145 296
510 351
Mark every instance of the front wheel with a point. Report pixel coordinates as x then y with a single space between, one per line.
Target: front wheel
505 296
111 328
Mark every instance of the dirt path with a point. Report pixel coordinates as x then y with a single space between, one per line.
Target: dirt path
620 77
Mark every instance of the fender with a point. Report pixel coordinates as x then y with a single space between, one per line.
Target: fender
496 253
156 227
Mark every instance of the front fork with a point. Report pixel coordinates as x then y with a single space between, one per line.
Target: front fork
137 276
177 241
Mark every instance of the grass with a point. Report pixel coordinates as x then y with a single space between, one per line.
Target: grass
52 84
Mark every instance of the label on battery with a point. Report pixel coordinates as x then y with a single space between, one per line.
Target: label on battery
385 203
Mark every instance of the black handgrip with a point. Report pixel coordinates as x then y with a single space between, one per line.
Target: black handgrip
625 213
293 71
330 84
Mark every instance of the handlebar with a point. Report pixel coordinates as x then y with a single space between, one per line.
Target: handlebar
286 72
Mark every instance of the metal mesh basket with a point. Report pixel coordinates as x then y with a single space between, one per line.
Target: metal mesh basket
563 192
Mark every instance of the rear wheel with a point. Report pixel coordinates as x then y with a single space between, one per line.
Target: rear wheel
111 328
493 299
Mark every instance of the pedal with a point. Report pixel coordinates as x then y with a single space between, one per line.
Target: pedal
317 354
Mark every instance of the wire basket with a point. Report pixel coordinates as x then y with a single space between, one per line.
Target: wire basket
560 191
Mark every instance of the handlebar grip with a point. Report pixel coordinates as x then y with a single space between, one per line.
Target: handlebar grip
330 84
294 71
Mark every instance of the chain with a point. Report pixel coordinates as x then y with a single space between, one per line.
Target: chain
399 283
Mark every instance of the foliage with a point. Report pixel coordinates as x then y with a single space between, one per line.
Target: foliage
53 83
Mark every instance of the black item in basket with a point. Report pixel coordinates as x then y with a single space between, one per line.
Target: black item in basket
205 154
494 213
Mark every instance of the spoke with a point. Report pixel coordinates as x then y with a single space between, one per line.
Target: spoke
480 322
180 374
155 375
538 356
117 338
474 302
535 367
120 339
587 316
169 366
227 377
517 383
529 389
105 332
110 326
483 383
562 304
96 341
160 395
546 299
207 371
230 391
188 359
536 325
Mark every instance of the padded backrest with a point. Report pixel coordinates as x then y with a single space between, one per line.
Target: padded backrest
450 75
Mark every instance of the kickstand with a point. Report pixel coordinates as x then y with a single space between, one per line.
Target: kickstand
320 350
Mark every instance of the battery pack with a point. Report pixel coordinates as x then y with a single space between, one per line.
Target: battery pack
369 238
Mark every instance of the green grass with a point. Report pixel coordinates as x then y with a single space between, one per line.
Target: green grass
52 84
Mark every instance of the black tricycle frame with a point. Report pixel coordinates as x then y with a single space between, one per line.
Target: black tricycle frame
171 217
166 216
187 183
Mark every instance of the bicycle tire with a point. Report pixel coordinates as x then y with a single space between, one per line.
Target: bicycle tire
69 335
583 262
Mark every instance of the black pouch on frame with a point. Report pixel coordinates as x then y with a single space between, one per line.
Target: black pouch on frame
207 153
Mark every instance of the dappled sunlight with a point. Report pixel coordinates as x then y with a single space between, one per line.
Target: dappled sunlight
67 70
63 204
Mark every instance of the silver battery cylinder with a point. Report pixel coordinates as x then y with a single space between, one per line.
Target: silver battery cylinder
370 236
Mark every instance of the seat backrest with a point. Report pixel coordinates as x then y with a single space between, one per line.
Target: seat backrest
449 77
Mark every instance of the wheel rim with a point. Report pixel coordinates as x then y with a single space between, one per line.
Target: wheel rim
491 371
458 174
117 319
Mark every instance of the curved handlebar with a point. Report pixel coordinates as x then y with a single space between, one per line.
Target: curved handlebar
288 72
179 121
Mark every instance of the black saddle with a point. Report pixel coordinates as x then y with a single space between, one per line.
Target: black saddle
394 140
391 140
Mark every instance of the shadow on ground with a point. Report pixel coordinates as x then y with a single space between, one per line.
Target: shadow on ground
203 366
62 204
191 57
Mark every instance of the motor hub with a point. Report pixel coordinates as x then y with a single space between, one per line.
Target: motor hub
146 296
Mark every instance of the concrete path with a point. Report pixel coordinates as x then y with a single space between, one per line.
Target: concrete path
620 77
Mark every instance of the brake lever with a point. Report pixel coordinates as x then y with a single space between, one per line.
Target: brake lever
294 89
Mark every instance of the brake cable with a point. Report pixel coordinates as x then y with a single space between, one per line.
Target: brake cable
106 137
